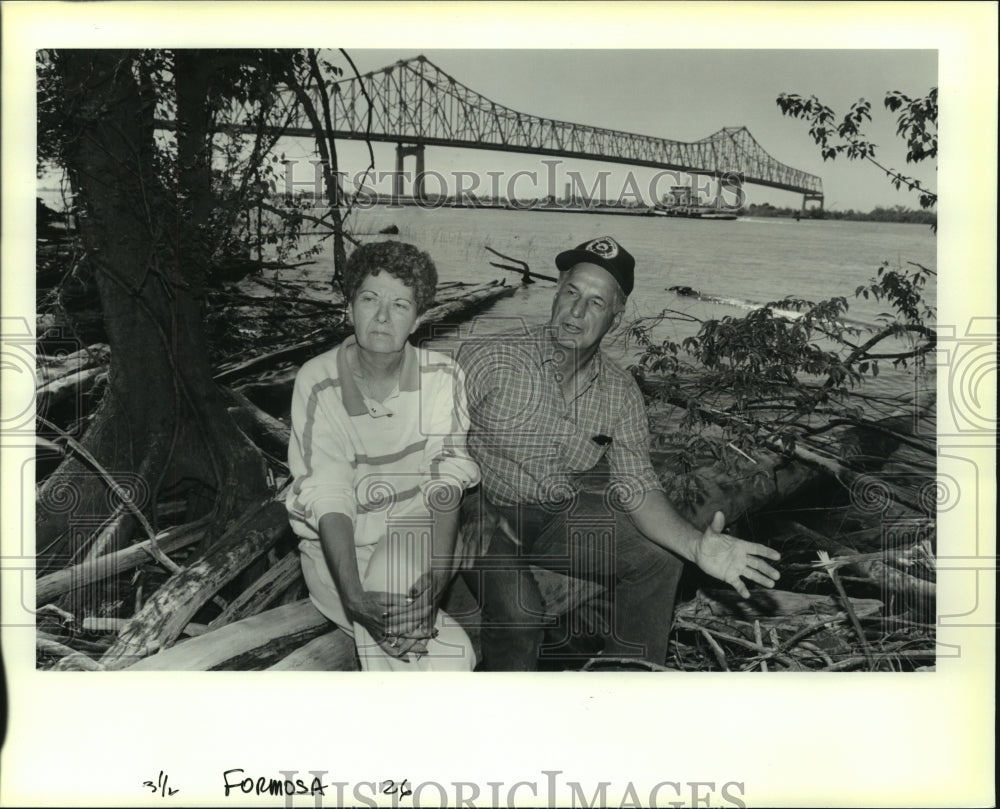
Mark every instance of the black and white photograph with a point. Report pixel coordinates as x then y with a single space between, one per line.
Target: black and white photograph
632 369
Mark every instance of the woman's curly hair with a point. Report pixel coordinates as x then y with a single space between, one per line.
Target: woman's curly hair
403 261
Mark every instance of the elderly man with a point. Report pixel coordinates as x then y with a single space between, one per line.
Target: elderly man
548 410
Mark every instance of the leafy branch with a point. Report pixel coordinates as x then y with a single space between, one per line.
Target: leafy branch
916 124
771 379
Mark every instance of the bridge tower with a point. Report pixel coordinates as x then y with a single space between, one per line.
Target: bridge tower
402 152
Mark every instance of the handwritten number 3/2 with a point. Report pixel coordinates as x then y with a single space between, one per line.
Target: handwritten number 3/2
391 788
160 786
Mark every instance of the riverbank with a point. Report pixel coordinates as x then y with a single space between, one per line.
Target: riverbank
898 214
768 496
804 497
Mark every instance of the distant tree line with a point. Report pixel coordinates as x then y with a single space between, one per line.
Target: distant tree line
897 213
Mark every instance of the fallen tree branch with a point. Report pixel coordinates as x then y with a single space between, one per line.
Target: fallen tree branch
295 215
849 477
122 493
52 368
874 569
600 661
695 626
70 659
269 433
854 662
720 656
75 384
102 567
796 638
760 642
824 557
296 352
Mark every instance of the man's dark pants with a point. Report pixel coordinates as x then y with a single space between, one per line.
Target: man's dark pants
587 540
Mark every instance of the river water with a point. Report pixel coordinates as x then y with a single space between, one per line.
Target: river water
737 263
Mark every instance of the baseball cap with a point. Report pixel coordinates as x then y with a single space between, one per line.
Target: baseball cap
606 253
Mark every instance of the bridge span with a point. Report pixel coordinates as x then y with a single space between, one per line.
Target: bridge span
414 103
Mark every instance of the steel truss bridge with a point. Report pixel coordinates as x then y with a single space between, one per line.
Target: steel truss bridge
414 103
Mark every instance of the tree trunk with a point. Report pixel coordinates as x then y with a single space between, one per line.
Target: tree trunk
162 427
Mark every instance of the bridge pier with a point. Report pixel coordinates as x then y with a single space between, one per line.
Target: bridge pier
731 195
402 152
807 198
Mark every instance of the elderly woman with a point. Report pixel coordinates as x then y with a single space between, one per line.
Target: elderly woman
380 463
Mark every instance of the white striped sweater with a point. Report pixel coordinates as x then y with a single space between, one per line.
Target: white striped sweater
375 462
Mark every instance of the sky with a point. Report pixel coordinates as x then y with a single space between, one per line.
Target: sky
681 95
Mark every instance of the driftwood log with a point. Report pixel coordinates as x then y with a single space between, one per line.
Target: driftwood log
270 434
268 633
162 618
764 605
874 567
112 564
263 592
53 368
333 651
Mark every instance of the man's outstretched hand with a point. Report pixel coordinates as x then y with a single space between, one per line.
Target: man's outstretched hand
732 560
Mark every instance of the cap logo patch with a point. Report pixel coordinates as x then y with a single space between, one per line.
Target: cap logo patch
604 247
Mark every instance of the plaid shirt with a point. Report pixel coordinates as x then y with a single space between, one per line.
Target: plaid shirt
530 442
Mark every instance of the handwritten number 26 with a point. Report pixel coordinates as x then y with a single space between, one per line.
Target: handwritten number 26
391 788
